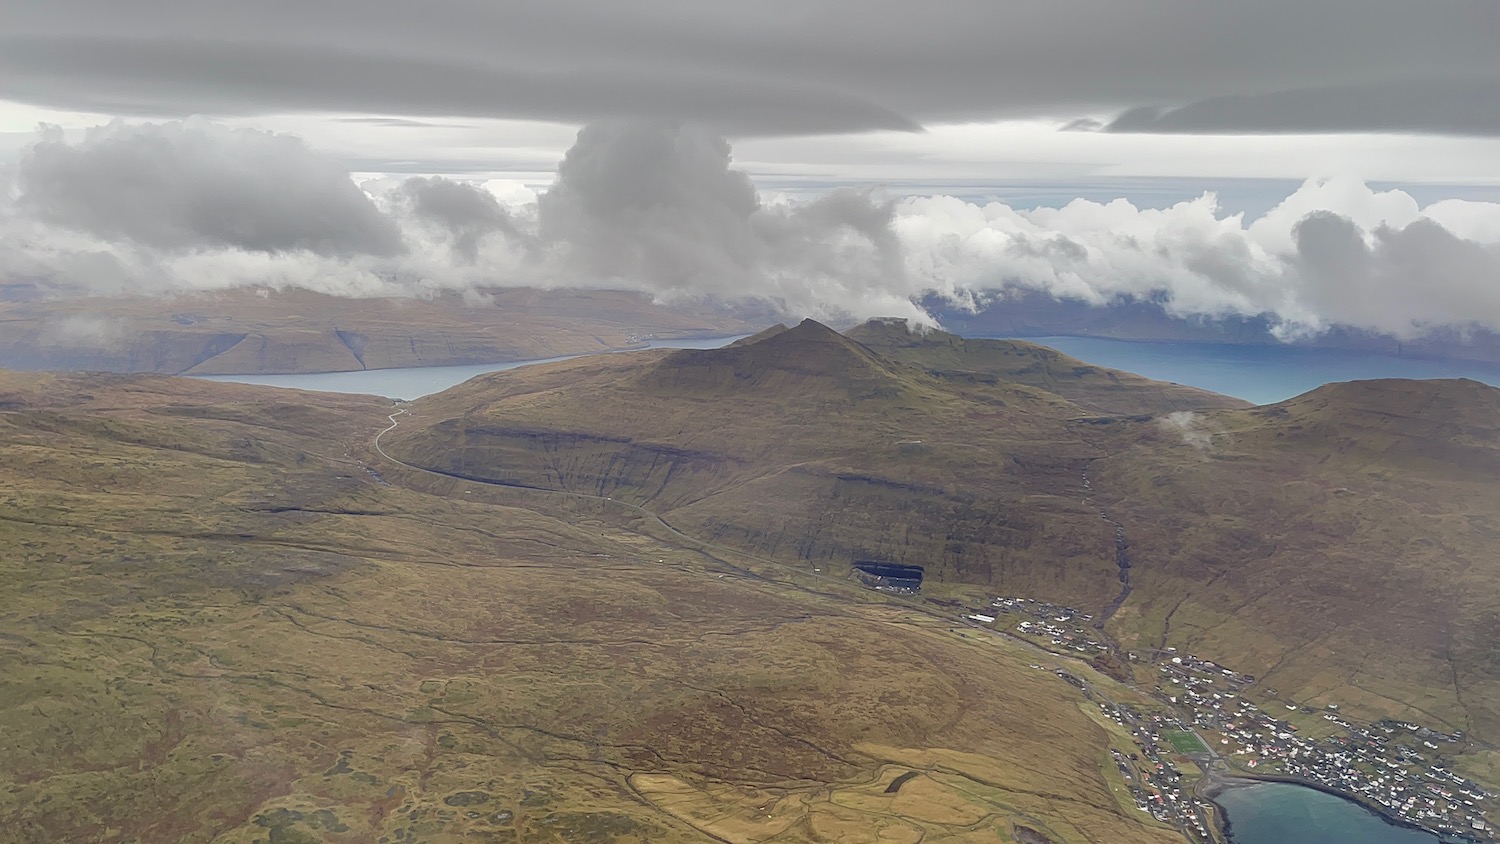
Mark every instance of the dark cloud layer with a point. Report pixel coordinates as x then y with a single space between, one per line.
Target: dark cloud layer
1448 106
780 66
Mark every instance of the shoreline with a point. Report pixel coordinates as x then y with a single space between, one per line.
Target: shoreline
1400 353
1217 783
643 346
717 341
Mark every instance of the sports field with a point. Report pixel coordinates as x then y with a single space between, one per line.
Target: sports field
1185 742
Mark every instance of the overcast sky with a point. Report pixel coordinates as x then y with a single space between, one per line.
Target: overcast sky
952 89
775 66
308 125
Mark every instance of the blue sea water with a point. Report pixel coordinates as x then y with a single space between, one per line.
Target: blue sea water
1261 374
1281 813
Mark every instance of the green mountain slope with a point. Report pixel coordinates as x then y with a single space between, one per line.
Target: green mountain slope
972 365
228 620
1338 545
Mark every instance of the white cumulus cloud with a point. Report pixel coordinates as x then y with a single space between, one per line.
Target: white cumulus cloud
661 207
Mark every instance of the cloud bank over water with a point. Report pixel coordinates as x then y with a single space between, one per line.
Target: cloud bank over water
660 207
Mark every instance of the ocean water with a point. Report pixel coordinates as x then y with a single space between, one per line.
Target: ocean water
1261 374
1281 813
415 382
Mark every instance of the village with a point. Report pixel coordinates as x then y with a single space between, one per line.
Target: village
1398 768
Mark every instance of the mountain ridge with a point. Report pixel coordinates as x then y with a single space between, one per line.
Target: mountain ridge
984 484
981 362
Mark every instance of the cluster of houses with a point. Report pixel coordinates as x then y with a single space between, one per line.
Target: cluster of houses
1155 783
1063 627
1392 765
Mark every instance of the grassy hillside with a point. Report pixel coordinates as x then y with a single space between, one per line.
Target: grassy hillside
805 445
1338 545
227 621
242 332
974 366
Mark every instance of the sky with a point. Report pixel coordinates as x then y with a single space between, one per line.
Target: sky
1321 163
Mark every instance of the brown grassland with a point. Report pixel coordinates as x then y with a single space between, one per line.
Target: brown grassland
1339 546
228 620
607 599
270 331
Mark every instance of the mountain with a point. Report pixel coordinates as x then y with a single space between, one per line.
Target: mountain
805 444
1338 545
229 618
976 363
265 331
610 599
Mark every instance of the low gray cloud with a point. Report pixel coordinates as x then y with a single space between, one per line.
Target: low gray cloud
1190 427
194 186
1335 252
779 66
661 207
86 331
465 213
1401 280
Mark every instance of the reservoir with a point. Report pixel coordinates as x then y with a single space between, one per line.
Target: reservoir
418 381
1261 374
1282 813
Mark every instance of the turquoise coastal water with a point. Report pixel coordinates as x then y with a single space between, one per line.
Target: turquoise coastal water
1261 374
1281 813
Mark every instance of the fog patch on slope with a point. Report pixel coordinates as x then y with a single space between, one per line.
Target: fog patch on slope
1190 427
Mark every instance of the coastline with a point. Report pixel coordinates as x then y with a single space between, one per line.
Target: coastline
1395 349
1218 782
510 363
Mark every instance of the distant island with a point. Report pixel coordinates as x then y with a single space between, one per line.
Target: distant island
1033 314
266 331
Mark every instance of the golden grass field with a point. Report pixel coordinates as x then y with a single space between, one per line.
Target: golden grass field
1339 546
280 331
227 620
